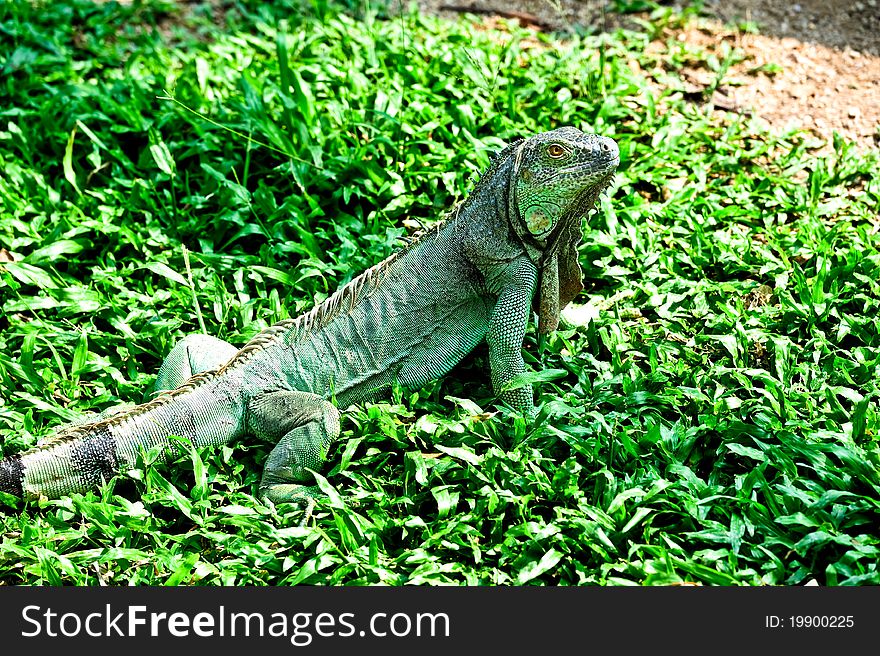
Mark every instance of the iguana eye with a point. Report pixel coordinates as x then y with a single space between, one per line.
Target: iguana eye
556 151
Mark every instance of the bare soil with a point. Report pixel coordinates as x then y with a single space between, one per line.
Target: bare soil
793 84
812 64
838 24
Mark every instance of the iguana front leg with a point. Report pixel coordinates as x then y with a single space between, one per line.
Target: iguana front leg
507 329
305 425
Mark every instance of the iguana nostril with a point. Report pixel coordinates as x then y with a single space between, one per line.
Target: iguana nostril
608 148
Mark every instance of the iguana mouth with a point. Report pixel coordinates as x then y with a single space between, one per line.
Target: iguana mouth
610 162
541 248
586 200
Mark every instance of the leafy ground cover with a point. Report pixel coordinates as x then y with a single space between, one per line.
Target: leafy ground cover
711 416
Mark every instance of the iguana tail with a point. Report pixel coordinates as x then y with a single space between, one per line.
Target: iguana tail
81 457
75 461
12 475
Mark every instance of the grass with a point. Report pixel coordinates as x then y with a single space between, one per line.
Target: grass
713 418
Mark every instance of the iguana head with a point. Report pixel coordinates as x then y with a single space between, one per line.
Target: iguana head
558 176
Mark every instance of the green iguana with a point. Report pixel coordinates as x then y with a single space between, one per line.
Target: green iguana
407 320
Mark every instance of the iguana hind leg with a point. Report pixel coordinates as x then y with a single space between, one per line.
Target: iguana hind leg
305 426
192 355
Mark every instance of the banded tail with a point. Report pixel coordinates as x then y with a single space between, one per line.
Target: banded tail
81 457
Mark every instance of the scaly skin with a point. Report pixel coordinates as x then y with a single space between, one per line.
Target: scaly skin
407 320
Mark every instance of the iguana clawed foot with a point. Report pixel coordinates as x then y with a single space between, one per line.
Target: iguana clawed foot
304 496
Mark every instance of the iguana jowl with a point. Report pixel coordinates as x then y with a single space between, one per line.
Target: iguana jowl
408 319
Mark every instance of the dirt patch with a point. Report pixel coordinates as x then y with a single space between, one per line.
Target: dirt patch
838 24
813 65
789 83
557 15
